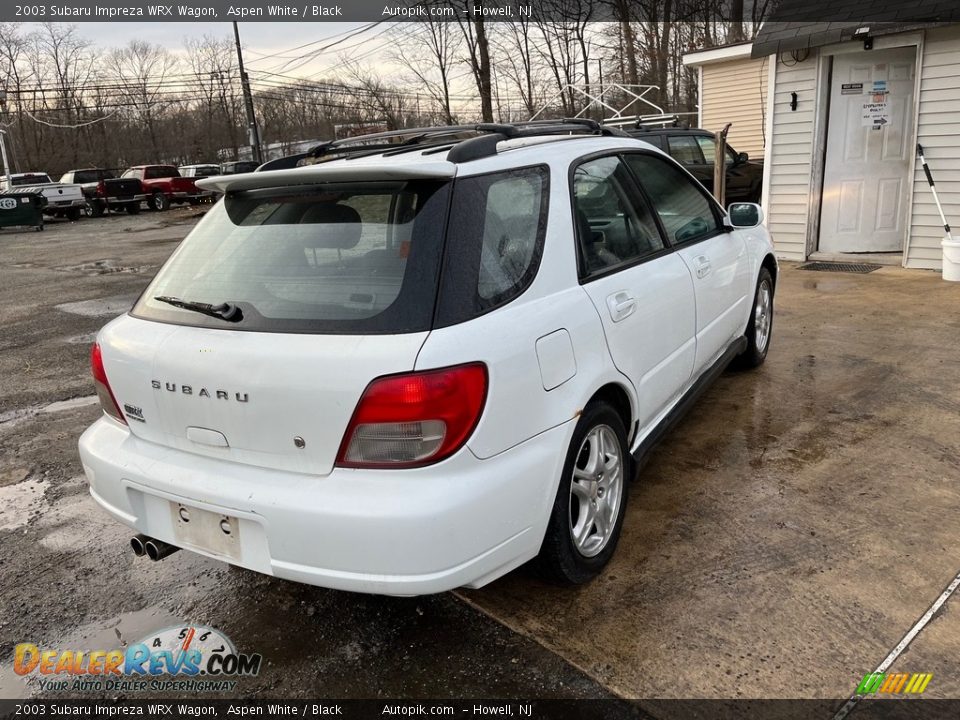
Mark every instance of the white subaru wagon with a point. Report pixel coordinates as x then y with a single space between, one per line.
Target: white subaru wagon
425 358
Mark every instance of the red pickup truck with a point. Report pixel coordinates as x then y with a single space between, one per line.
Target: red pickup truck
164 185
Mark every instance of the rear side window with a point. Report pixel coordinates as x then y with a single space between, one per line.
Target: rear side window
685 211
347 258
496 230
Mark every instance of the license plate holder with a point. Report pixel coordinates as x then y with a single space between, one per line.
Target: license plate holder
210 532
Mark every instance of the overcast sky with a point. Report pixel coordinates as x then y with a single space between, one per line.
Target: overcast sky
258 39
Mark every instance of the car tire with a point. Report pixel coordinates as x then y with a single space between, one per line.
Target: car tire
159 202
133 208
95 208
576 548
760 327
74 214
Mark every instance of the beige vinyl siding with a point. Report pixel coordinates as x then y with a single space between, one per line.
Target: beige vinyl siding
791 157
735 91
939 133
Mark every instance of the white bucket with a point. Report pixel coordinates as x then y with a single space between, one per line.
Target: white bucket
951 259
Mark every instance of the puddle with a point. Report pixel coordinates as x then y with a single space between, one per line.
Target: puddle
103 267
116 305
115 634
14 475
19 502
15 416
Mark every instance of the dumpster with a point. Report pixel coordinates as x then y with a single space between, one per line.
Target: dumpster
21 208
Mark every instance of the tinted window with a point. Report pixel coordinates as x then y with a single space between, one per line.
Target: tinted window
91 176
33 179
345 258
685 149
161 171
684 209
614 225
709 148
497 224
133 173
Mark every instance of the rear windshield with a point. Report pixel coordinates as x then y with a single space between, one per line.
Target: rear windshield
90 176
351 258
29 180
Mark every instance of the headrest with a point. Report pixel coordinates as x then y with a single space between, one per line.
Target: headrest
339 226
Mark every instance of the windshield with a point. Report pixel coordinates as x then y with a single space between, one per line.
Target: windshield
333 258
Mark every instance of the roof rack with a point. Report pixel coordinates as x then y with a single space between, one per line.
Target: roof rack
466 142
649 122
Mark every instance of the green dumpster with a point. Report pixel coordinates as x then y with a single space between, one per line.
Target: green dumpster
21 208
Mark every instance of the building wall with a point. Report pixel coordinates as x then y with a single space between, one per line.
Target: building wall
938 130
791 156
735 91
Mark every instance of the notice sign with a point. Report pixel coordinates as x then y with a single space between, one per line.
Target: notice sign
875 114
851 89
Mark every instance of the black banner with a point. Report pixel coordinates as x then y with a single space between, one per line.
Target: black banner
460 10
867 709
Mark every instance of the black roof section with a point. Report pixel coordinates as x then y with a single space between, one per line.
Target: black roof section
803 24
464 142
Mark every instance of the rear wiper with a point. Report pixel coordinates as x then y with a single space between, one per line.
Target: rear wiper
223 311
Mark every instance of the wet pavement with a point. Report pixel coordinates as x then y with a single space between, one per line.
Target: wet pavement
69 579
779 543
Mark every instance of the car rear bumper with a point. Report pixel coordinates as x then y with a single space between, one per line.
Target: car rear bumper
462 522
65 204
122 200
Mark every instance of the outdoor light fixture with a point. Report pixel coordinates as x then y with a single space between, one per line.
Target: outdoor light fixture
864 34
793 101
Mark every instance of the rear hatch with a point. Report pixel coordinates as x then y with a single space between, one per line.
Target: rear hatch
326 287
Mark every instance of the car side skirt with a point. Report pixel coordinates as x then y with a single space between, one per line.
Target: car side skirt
688 400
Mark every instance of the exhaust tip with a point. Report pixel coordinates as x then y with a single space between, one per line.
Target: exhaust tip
137 543
158 550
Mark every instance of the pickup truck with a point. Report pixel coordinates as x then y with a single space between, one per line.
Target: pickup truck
104 191
164 185
63 199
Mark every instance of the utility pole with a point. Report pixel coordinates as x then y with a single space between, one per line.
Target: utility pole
252 130
3 154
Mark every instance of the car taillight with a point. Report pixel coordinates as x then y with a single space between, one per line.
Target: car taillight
414 419
101 188
107 401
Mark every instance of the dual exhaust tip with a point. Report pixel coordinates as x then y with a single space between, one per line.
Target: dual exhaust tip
152 548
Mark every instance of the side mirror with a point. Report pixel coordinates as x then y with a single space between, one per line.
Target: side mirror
745 215
742 158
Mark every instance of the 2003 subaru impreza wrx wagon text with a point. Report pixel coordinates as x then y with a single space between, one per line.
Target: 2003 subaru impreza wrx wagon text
425 358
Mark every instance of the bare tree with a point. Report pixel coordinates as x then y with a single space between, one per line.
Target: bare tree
429 51
141 71
474 29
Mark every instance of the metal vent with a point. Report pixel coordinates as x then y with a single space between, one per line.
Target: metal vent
840 267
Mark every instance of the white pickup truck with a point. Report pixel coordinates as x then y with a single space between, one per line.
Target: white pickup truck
63 199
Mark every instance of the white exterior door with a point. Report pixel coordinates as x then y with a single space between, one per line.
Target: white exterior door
869 146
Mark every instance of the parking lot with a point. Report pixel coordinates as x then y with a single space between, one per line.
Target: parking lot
779 543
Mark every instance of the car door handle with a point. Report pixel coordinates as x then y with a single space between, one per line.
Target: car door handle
701 264
621 305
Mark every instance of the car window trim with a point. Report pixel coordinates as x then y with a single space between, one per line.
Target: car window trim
584 277
718 213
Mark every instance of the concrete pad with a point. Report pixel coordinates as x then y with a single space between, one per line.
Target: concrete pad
794 526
